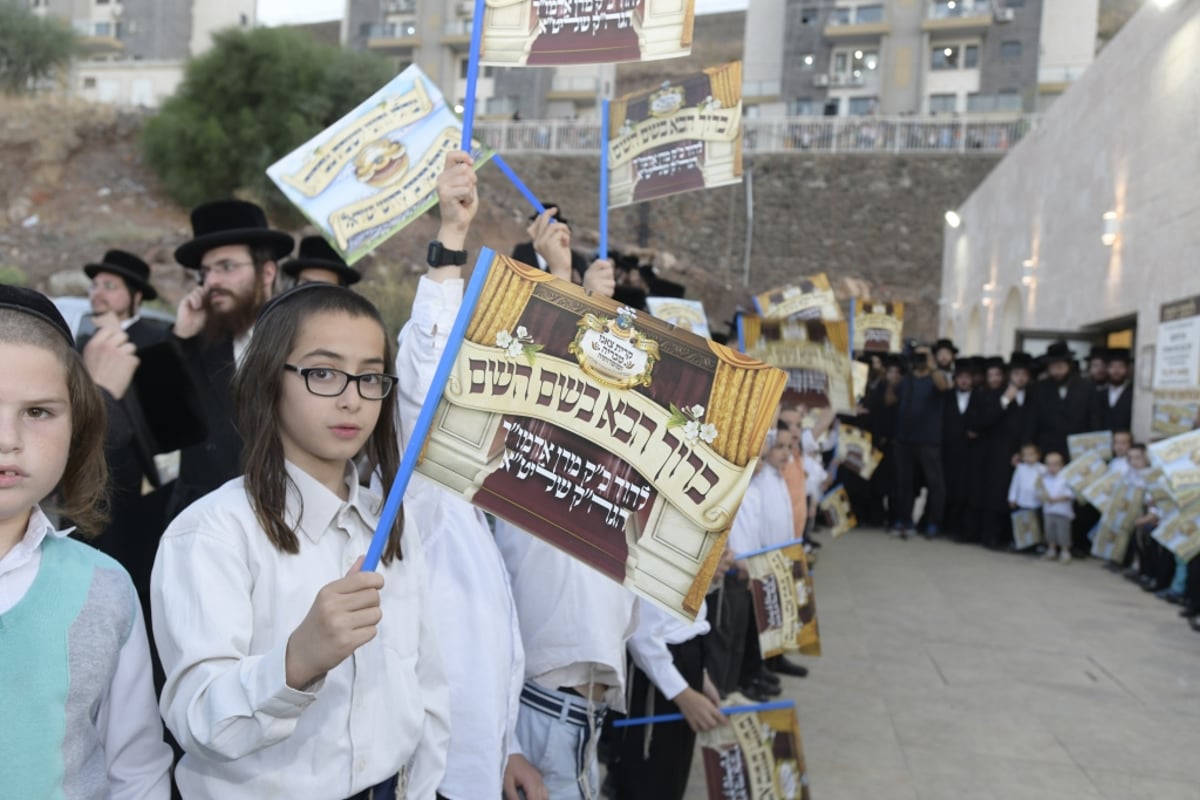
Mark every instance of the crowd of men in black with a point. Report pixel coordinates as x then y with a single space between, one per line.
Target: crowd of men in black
955 426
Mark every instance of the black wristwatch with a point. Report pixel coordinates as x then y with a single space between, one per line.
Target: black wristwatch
439 256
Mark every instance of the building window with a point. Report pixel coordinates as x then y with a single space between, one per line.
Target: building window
102 29
243 20
840 63
869 14
808 16
833 106
1010 51
89 83
971 57
840 16
862 106
486 72
944 58
866 60
805 107
1008 100
943 103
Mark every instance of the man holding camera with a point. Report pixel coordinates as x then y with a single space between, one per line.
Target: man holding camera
919 399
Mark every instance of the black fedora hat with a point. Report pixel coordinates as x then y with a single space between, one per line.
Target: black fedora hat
132 269
1020 360
945 344
316 253
35 304
557 217
1098 351
994 362
224 222
1118 354
1059 351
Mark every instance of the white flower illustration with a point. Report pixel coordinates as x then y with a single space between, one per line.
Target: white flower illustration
692 430
697 411
522 332
515 349
708 432
504 339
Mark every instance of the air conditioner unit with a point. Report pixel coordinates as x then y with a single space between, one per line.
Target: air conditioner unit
820 80
1004 15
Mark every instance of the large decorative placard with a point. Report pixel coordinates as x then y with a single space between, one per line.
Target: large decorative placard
375 170
785 609
620 439
838 511
1080 444
1084 471
686 314
878 327
815 355
680 136
758 756
1177 368
1180 533
1027 528
855 451
1179 460
808 298
548 33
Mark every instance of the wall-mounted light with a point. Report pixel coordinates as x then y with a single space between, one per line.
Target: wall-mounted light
953 219
1112 227
989 294
1028 272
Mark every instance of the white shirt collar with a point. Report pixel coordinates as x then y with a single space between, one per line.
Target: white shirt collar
36 531
127 324
315 514
543 264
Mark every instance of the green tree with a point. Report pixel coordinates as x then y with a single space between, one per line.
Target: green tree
253 98
33 49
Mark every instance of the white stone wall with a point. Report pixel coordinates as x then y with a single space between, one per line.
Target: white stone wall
1124 138
210 16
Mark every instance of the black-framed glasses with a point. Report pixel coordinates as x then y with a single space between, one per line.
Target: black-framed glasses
330 382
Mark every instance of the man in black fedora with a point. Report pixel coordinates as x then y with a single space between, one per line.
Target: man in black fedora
1115 407
113 357
1004 423
1062 404
318 262
234 255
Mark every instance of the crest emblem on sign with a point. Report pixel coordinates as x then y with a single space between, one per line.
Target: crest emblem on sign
666 102
613 351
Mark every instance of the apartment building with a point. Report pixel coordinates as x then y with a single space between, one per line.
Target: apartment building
925 57
436 35
134 50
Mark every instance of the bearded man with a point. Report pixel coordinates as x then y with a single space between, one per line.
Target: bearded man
234 257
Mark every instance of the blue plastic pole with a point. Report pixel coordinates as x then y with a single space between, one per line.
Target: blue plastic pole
775 705
472 75
603 179
420 432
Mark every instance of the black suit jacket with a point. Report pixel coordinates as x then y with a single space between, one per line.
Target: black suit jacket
525 253
1056 417
208 464
1118 417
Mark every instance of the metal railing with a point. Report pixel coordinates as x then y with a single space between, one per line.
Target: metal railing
955 9
790 134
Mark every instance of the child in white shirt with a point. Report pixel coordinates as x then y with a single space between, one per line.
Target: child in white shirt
290 671
1023 489
1058 509
77 713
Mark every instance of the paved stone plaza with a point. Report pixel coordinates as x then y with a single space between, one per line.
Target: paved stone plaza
952 673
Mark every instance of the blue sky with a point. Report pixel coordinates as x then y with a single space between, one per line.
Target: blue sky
276 12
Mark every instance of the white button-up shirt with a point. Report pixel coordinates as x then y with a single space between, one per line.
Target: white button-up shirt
776 523
474 614
136 757
1023 489
648 646
225 601
575 621
1057 486
745 534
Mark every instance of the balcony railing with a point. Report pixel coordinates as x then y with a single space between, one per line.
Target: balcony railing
392 30
878 135
956 9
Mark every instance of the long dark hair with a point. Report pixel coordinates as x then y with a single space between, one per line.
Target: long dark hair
82 496
257 389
